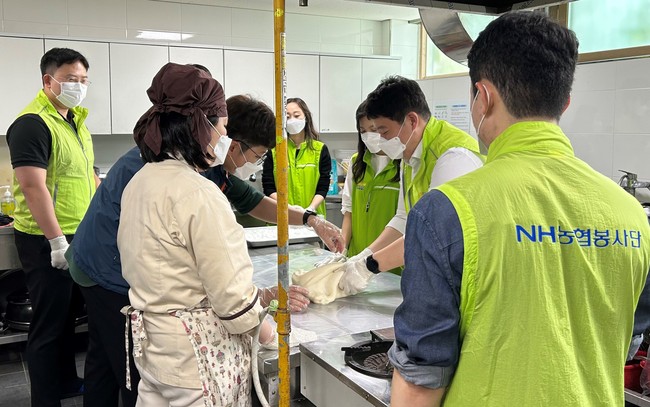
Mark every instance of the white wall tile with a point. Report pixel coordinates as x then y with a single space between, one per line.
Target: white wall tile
23 27
630 153
37 11
302 46
99 33
595 150
596 76
632 111
255 43
409 59
403 33
252 24
369 50
633 73
206 20
589 112
209 40
335 30
372 33
153 15
97 13
328 48
301 27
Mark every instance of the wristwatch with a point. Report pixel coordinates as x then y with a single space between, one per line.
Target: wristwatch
307 214
372 265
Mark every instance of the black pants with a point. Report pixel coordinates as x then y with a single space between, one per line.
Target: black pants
105 369
50 344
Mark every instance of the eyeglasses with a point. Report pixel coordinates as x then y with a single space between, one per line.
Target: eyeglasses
73 79
260 158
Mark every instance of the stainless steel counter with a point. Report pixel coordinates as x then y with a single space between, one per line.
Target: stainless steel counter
323 363
372 309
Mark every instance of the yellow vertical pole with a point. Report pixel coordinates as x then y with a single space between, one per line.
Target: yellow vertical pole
282 317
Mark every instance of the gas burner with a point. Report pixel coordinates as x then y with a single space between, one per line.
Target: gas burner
370 358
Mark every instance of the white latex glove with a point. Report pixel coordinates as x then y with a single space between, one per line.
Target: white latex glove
356 275
298 297
58 247
296 337
333 258
329 233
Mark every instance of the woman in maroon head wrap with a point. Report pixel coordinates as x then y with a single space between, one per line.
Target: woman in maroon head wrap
193 302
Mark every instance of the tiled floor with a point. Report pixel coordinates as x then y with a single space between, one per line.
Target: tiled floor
14 378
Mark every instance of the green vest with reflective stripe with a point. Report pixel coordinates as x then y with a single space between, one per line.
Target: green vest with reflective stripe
70 177
555 259
374 203
304 173
439 136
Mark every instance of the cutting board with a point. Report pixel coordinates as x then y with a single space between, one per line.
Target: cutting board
267 235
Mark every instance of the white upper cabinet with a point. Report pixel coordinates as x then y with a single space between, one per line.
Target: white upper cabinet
98 99
374 70
340 93
252 73
302 82
21 76
210 58
132 69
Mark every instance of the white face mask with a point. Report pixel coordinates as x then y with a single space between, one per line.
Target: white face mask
371 140
220 150
295 126
245 170
394 148
72 93
481 145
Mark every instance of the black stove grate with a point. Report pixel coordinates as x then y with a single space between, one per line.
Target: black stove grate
370 357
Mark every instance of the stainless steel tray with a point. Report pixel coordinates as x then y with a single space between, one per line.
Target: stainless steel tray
267 235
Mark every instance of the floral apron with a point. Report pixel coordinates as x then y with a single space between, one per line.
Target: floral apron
224 359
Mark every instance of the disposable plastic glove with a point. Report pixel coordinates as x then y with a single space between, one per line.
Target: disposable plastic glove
329 233
58 247
356 275
333 258
298 297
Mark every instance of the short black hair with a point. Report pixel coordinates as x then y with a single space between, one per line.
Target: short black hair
251 121
177 141
54 58
531 61
395 97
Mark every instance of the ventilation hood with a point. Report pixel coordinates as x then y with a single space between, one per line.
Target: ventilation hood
471 6
442 23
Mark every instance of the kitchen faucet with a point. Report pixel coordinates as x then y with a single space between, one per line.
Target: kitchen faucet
630 183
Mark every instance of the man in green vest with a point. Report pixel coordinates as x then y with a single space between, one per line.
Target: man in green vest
52 156
432 152
522 277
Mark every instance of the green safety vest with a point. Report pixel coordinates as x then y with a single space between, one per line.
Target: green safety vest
304 173
374 203
439 136
70 177
555 259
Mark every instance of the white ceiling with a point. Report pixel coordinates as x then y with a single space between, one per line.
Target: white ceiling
332 8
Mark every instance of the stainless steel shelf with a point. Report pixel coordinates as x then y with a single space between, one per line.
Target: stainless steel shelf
637 398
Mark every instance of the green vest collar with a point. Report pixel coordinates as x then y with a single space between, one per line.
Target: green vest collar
528 136
80 113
